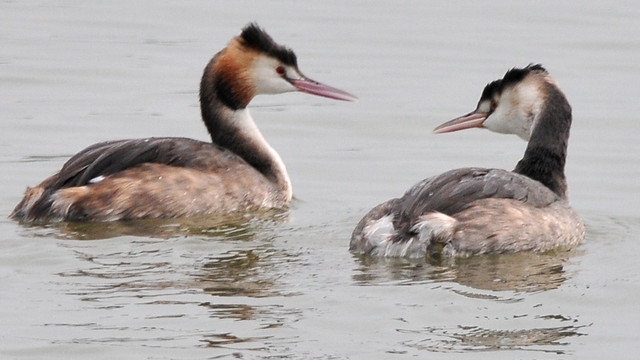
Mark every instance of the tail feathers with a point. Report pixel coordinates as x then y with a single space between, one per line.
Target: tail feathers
40 204
32 197
436 230
378 232
430 236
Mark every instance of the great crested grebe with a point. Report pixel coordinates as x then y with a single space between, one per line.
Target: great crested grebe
476 211
177 177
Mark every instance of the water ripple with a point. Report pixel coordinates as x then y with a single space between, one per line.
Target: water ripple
475 338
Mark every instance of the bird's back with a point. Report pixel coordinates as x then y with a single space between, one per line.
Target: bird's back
153 177
469 211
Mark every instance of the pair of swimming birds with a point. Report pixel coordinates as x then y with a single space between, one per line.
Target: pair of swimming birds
459 213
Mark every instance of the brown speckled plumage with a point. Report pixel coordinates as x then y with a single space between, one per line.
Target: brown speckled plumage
177 177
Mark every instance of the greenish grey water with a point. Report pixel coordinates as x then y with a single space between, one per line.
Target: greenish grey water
285 286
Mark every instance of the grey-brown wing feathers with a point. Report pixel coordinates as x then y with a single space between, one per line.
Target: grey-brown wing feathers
110 157
456 190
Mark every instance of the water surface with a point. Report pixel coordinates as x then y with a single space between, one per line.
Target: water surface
284 285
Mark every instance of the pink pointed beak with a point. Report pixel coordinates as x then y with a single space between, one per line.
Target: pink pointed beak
472 119
313 87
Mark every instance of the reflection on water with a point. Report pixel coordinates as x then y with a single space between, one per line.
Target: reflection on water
270 316
504 279
521 272
221 274
227 340
514 272
252 273
474 338
236 226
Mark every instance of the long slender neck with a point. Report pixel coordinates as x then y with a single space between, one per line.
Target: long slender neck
231 126
545 156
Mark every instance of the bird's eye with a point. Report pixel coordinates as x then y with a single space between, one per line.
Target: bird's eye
494 105
280 70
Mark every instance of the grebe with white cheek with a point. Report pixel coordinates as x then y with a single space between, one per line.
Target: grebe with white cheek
177 177
476 211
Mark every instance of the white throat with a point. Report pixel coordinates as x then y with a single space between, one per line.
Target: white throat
247 127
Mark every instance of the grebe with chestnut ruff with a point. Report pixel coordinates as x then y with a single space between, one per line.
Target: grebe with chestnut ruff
177 177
